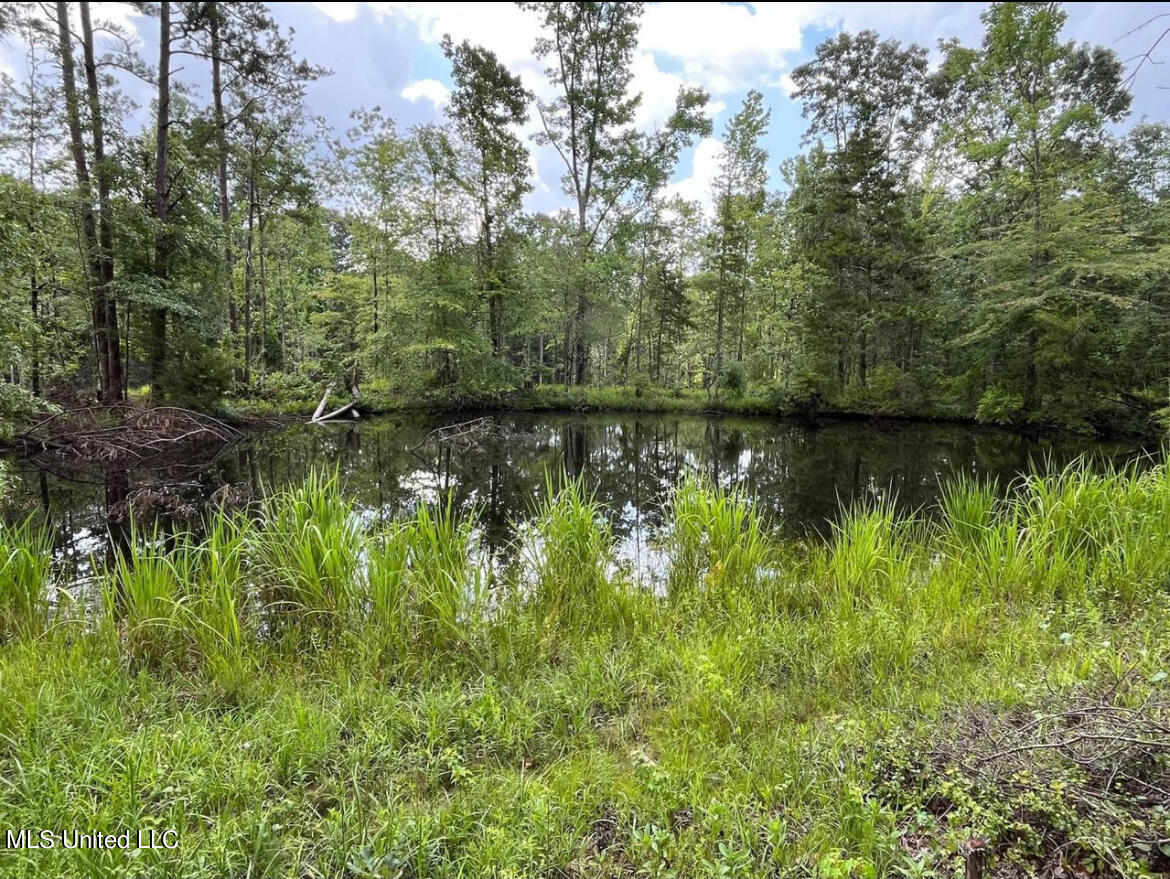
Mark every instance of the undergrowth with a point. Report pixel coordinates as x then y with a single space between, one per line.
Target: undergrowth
299 693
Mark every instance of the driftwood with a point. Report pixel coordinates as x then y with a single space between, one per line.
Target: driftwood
321 406
465 434
125 436
318 418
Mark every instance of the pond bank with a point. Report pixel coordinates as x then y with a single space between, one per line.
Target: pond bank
619 399
799 472
901 700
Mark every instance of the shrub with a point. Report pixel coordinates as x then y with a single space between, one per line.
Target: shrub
734 379
1000 406
197 373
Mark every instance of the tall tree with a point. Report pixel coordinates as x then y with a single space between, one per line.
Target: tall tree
863 97
487 105
162 195
1029 121
740 190
590 47
97 230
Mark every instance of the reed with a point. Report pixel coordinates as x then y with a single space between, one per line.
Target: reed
145 591
26 594
719 552
445 576
568 548
307 553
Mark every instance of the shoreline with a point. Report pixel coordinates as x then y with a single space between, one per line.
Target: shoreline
253 411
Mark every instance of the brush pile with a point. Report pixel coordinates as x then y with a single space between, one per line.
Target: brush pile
126 436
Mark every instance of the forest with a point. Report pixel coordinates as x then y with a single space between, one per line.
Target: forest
980 238
453 625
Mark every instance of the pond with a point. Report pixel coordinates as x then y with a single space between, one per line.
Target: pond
496 468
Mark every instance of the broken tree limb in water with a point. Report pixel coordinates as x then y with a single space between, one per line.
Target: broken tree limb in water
321 406
465 433
336 413
318 418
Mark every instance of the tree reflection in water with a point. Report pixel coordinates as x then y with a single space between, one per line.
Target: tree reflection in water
800 475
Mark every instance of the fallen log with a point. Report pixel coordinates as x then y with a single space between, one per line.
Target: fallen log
321 406
335 413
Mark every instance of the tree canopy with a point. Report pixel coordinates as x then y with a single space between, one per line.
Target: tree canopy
986 238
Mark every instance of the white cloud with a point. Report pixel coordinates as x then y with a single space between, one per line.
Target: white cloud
123 15
658 88
704 168
726 48
338 11
427 89
503 28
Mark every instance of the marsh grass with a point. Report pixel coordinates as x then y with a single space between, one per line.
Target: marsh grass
568 548
444 575
302 695
308 552
26 602
719 554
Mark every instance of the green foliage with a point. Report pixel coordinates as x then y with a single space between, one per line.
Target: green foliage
734 379
197 373
719 551
26 580
979 241
1000 406
569 550
307 553
807 708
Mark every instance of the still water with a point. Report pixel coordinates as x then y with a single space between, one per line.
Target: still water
800 475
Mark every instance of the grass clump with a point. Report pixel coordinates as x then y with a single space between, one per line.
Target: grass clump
307 554
302 694
718 549
569 550
26 600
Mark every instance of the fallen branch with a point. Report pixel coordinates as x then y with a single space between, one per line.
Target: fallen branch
321 406
335 413
125 436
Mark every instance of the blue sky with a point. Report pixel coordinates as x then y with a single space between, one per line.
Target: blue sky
388 54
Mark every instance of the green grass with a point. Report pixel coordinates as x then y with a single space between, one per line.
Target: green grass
300 694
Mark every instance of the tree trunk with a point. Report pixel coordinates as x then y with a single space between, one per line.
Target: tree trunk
248 269
375 293
492 282
262 353
862 358
88 221
222 181
34 291
112 392
158 314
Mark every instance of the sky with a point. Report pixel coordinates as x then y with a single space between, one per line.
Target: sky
388 54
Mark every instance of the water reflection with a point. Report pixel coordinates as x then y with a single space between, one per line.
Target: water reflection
800 475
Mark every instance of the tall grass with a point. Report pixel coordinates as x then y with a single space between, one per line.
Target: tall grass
26 557
568 546
719 553
968 508
307 553
445 579
416 586
218 619
738 729
145 593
